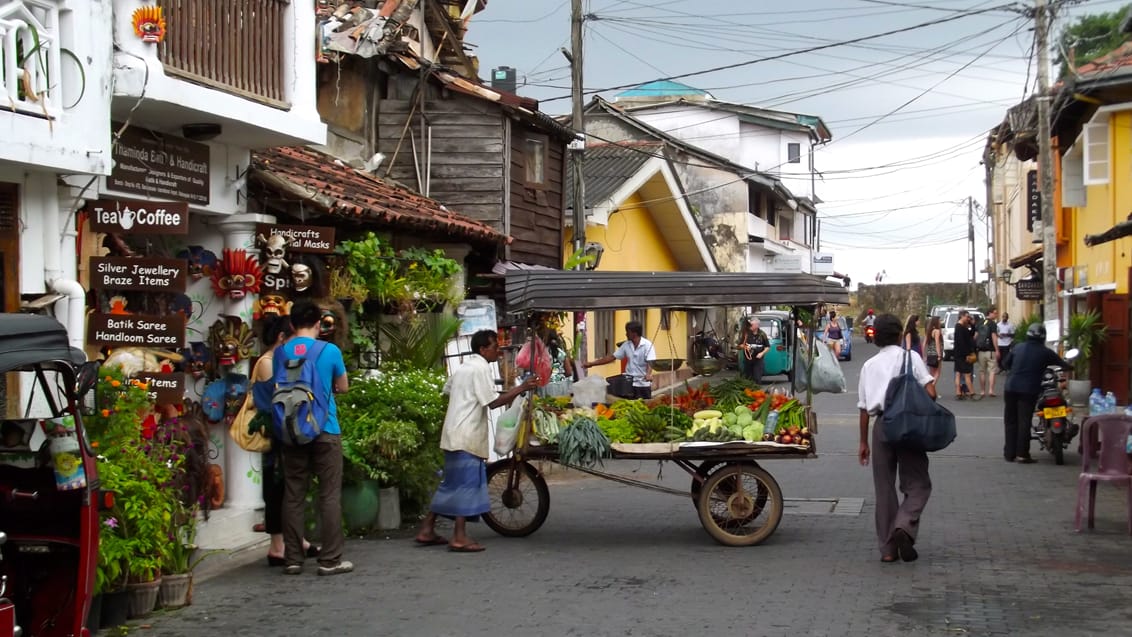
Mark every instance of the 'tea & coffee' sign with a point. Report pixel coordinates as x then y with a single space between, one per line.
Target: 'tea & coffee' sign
122 216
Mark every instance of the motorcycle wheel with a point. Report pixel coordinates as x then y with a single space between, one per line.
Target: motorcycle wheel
1057 448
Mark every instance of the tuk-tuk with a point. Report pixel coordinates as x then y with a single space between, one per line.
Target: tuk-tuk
776 324
48 483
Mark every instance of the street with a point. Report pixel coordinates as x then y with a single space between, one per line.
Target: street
998 555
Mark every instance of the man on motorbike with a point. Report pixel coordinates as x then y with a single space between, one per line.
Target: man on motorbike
1025 362
870 330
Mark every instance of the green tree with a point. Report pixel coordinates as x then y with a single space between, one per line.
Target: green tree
1089 37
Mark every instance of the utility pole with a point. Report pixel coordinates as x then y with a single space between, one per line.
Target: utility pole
577 158
1045 167
971 248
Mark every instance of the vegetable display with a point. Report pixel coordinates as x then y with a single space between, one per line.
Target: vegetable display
582 443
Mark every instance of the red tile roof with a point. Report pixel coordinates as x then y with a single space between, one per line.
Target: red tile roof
1119 57
345 192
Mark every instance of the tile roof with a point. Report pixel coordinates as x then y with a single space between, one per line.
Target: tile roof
608 166
1119 57
351 194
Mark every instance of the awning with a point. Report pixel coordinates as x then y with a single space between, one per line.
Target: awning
558 290
1027 259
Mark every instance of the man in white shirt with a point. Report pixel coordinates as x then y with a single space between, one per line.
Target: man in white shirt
462 495
896 522
640 353
1005 339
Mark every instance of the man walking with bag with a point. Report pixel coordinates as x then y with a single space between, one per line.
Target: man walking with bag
897 523
306 363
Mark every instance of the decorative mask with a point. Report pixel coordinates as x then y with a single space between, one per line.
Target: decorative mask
326 326
202 262
118 304
239 274
271 304
149 24
181 304
273 250
301 276
231 340
198 359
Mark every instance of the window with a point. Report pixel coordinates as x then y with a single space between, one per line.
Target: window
753 200
771 216
604 341
535 154
786 229
793 153
1096 153
1073 194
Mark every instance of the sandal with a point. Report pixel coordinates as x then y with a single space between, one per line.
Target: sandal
435 540
467 548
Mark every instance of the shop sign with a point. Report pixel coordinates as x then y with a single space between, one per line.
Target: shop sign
312 239
147 274
164 388
1029 289
158 165
123 216
136 330
1033 201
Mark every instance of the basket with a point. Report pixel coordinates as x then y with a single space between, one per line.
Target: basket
621 385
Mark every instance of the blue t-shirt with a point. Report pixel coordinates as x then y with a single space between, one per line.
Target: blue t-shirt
330 366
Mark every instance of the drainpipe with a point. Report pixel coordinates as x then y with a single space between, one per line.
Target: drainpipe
57 242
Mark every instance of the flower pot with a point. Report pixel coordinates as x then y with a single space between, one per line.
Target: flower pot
142 597
94 615
1079 391
360 505
175 589
389 511
115 609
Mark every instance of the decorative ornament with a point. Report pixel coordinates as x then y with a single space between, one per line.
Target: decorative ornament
134 360
301 276
149 24
327 325
202 263
231 340
198 359
238 275
273 251
271 305
118 304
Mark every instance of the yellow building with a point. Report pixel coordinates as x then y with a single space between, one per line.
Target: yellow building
638 221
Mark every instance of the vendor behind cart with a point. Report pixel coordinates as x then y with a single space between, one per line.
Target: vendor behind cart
639 353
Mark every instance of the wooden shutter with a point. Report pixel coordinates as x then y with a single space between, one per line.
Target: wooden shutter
9 247
1114 360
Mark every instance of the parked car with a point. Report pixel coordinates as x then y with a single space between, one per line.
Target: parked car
847 336
949 320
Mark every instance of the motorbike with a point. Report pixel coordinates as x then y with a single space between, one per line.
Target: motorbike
1052 426
870 333
49 495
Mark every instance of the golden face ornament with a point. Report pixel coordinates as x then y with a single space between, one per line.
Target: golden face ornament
149 24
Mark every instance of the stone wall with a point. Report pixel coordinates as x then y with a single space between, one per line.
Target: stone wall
905 299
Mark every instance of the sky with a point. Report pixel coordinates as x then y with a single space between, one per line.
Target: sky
909 111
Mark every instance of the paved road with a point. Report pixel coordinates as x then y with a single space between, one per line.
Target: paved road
998 556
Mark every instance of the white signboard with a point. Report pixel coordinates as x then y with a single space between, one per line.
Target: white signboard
822 264
786 263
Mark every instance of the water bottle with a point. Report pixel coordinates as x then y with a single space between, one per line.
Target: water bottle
1096 402
771 421
1110 403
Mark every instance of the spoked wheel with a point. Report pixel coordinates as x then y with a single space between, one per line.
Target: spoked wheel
711 466
520 500
740 505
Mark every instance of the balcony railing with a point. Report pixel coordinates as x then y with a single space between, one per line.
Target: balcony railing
31 67
232 45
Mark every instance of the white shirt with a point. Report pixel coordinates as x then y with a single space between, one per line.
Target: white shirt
639 357
470 389
878 372
1005 334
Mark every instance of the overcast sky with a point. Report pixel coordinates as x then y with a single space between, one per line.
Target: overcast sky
909 111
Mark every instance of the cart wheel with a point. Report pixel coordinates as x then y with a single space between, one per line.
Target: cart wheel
734 516
707 468
519 510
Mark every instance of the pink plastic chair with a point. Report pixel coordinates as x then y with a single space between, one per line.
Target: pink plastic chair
1106 433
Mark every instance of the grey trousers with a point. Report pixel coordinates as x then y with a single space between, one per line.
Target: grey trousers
323 459
915 484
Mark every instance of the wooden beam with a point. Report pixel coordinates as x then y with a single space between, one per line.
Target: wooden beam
1122 229
454 42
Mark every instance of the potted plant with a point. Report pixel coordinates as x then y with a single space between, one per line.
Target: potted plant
182 558
369 265
428 282
1085 333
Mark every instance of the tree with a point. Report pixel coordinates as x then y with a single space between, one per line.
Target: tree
1088 37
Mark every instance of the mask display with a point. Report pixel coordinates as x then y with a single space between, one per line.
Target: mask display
231 340
302 276
201 262
198 359
327 325
149 24
273 250
238 275
271 305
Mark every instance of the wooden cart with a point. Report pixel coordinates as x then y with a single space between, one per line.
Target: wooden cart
739 503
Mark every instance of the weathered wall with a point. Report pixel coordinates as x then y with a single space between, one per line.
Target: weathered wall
905 299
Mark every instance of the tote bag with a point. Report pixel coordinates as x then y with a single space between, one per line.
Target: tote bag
256 442
911 418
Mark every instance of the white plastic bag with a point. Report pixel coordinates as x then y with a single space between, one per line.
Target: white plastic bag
507 427
828 377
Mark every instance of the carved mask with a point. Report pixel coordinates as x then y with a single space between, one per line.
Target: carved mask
149 24
198 359
201 262
274 252
239 274
231 340
301 276
271 304
327 325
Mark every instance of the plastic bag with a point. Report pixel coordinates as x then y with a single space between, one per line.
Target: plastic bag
542 360
827 378
911 418
507 427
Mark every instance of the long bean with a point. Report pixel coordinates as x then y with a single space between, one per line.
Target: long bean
582 443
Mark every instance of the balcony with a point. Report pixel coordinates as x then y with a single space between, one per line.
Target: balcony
233 45
32 58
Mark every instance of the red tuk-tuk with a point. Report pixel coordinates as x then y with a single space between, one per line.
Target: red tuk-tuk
48 482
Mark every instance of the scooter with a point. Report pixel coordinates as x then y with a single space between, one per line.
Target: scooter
870 333
1053 428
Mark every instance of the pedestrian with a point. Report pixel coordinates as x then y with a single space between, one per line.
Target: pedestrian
932 350
912 335
321 457
561 364
986 341
897 522
833 334
462 495
754 344
276 331
639 353
1025 363
965 355
1005 339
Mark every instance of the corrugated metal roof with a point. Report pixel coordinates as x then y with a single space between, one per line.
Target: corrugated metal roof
607 166
558 290
662 88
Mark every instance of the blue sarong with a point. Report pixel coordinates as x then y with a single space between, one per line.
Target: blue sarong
463 491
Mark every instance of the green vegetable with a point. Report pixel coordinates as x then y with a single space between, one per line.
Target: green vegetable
729 394
582 443
617 429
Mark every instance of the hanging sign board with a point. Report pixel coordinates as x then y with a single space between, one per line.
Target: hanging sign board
1029 290
158 165
136 330
147 274
123 216
312 239
164 388
1033 201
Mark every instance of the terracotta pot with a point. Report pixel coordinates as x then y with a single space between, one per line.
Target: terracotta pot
143 597
175 590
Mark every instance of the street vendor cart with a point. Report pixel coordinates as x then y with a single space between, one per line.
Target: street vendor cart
738 501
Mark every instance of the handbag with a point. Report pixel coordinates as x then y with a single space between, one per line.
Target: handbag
911 418
240 430
933 360
971 358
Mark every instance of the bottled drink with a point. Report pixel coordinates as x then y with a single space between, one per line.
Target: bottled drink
771 421
1110 403
1096 402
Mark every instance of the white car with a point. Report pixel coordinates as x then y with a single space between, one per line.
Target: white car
948 321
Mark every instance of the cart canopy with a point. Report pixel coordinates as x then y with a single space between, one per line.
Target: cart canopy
27 339
565 290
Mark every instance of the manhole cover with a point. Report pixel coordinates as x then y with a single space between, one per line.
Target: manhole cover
823 506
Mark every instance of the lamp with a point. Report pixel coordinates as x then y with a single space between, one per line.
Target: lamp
595 250
1006 275
201 132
